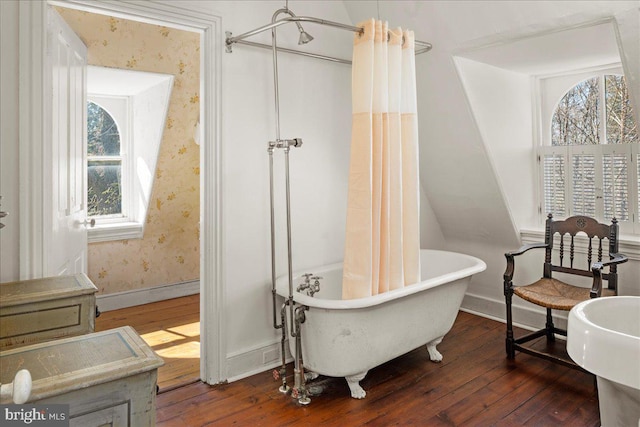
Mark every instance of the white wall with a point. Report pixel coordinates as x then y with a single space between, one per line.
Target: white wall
502 110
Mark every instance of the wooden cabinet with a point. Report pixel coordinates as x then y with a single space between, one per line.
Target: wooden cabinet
33 311
106 378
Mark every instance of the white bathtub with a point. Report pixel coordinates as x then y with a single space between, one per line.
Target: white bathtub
346 338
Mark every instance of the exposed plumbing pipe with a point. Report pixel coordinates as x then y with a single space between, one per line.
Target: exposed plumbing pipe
286 144
273 240
300 388
289 246
284 388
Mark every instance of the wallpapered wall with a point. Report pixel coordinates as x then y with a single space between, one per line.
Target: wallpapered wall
169 252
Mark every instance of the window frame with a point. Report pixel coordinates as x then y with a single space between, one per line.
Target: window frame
546 90
118 226
121 119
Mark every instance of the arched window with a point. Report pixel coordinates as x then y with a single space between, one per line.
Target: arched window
578 118
591 165
104 163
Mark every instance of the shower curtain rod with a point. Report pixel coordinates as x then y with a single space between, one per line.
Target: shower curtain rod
423 46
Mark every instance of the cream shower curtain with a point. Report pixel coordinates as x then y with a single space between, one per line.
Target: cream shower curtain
382 246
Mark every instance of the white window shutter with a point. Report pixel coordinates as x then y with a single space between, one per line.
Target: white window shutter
615 178
553 171
583 184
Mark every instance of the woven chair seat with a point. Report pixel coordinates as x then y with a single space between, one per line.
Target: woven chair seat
555 294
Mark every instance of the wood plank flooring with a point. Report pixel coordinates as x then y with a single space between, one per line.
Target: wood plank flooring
475 385
172 329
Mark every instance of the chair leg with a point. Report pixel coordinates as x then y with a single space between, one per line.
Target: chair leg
549 326
511 352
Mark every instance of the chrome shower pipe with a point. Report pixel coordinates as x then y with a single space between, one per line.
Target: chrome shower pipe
284 388
298 372
273 240
274 51
286 146
289 247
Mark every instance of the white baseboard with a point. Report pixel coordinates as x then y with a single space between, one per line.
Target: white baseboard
530 318
253 361
125 299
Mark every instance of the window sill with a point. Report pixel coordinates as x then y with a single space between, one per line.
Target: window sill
628 245
115 231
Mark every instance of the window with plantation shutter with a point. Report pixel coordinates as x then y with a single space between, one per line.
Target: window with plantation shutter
589 157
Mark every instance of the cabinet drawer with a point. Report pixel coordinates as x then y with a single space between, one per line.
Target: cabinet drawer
33 322
114 416
33 311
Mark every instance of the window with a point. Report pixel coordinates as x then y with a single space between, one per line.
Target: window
126 117
589 155
104 164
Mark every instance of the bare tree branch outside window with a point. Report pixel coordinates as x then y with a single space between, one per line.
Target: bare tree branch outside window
104 172
575 121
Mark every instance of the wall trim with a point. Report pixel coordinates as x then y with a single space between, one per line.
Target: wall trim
118 300
256 360
33 150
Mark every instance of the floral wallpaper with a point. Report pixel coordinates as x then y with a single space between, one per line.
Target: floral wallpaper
169 251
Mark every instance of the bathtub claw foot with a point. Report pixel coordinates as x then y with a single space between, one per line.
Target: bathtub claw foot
357 392
434 354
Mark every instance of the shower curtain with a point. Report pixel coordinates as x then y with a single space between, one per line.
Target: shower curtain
382 245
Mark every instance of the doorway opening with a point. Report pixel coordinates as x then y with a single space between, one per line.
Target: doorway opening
183 330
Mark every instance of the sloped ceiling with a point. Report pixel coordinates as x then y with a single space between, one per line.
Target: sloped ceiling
457 172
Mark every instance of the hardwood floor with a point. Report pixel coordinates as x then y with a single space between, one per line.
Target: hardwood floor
172 329
475 385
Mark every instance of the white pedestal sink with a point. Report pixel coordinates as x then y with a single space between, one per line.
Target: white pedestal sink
603 336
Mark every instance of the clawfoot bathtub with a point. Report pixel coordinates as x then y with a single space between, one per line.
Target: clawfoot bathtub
347 338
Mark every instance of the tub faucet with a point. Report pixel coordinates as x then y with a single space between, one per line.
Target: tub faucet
307 282
309 286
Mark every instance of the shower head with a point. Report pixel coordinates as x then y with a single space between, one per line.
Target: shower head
304 36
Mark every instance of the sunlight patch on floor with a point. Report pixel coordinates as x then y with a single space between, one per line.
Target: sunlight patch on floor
187 330
161 337
188 350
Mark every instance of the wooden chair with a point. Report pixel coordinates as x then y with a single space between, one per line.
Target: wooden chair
554 294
